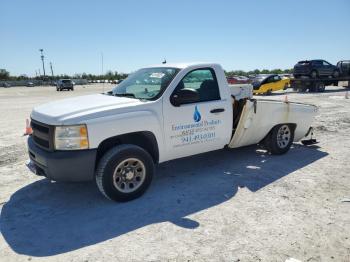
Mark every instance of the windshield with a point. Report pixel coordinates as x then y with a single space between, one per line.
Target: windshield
147 83
259 78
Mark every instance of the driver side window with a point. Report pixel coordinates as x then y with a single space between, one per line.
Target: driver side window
203 81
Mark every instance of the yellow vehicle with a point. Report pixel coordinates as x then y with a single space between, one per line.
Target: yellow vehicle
266 84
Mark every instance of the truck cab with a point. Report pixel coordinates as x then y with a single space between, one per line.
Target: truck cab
157 114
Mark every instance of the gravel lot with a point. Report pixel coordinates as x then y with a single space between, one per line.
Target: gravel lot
229 205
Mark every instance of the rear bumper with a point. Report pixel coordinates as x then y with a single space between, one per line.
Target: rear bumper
67 166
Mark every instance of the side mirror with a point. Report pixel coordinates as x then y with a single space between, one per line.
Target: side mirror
184 96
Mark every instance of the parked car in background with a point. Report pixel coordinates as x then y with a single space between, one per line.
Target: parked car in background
286 76
315 68
30 84
265 84
6 85
117 82
64 84
232 80
344 67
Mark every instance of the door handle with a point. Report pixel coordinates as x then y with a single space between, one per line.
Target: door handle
217 110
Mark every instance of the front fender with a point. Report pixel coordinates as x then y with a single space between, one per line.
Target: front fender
102 128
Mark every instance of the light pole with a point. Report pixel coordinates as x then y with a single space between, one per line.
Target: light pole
51 69
42 59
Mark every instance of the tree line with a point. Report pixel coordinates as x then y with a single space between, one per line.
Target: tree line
110 75
257 72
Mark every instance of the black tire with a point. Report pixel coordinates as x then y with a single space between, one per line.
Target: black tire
320 87
314 74
278 145
56 89
336 74
268 92
107 178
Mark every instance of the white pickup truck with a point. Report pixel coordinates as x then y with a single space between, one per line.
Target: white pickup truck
157 114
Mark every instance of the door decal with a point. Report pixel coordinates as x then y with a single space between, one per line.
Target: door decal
196 116
198 132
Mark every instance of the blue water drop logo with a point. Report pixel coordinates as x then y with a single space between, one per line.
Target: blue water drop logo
196 116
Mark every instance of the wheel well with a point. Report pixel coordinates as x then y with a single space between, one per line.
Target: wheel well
293 126
144 139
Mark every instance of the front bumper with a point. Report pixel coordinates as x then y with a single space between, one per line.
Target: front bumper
78 165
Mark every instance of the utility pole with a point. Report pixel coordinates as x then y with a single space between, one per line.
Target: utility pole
42 59
51 69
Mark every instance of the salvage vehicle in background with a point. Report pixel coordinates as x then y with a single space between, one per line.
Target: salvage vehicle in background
344 68
157 114
30 84
315 68
64 84
318 83
266 84
6 85
237 80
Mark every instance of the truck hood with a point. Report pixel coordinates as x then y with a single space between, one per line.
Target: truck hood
81 108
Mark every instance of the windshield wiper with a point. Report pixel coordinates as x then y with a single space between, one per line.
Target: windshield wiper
131 95
126 95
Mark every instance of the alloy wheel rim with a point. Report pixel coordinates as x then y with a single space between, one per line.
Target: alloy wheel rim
129 175
283 136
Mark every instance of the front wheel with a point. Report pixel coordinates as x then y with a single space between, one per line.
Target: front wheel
314 74
124 172
336 74
280 139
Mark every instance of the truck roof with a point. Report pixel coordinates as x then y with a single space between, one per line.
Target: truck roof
185 65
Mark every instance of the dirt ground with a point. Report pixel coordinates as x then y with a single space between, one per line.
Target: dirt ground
228 205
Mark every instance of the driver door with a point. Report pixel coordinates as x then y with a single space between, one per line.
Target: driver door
198 124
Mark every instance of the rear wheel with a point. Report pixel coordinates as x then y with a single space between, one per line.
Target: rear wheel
268 92
314 74
280 139
124 173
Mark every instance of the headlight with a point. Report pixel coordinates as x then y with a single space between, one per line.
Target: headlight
71 137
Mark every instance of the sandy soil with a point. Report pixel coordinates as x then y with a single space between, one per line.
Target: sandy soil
229 205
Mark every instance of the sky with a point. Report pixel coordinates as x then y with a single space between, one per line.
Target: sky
247 35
